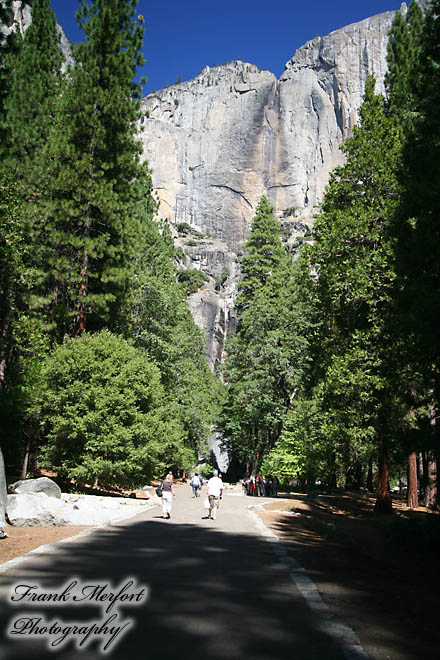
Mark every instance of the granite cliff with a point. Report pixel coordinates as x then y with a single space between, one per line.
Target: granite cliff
218 142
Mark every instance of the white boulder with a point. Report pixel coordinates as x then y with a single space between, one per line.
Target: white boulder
33 509
40 485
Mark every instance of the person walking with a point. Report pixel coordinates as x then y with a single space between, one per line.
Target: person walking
168 495
215 492
195 484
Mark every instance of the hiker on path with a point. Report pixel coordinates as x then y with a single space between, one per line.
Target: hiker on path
168 495
215 492
195 484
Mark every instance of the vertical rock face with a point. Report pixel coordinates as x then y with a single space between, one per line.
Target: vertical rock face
217 143
320 94
208 144
220 141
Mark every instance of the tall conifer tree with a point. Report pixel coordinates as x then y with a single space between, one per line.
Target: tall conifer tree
354 257
403 52
419 239
33 92
266 357
100 193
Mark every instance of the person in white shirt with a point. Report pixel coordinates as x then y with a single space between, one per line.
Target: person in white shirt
195 484
215 492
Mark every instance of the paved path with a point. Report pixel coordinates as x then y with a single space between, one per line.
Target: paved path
217 591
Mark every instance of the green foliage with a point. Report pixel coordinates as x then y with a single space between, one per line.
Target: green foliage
221 279
29 89
9 46
163 326
417 232
264 251
79 250
100 194
105 414
267 357
403 52
354 257
192 280
303 449
185 228
35 82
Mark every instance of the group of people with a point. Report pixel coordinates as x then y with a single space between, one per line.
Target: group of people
259 486
214 493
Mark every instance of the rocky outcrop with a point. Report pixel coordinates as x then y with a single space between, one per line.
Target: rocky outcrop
217 143
220 141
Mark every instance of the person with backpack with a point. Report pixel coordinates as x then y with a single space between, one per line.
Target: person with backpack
195 484
168 495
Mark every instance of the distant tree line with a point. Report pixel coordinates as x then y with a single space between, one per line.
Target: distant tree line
102 371
334 373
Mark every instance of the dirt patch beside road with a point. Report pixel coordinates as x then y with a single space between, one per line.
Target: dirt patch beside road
24 539
387 593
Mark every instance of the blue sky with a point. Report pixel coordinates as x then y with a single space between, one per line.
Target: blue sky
183 36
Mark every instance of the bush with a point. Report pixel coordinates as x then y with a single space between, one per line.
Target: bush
104 413
192 280
219 281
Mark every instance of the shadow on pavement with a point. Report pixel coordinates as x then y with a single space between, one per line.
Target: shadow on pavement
383 602
213 595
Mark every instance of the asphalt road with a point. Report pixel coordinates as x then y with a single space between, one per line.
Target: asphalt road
188 588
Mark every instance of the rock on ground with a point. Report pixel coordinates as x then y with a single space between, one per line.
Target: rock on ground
40 485
32 509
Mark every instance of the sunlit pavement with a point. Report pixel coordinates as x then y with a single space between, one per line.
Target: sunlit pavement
216 590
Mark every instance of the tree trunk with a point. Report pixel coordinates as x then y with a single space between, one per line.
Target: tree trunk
430 469
359 476
370 484
412 495
81 313
420 474
383 501
430 495
24 467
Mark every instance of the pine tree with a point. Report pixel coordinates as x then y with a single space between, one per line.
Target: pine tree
9 44
35 81
354 258
263 253
100 192
403 51
266 356
419 238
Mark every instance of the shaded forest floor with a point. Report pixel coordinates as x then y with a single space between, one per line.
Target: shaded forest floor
377 573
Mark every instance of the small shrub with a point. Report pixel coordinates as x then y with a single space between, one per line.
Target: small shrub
192 280
221 279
